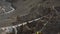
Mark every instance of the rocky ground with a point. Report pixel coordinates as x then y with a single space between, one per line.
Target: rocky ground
26 10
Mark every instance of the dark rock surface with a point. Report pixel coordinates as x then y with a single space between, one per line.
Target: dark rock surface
26 10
